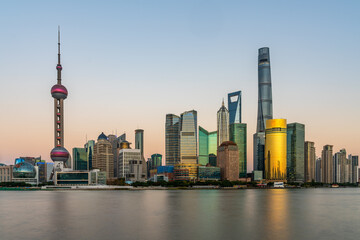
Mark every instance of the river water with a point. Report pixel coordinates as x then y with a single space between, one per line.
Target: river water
181 214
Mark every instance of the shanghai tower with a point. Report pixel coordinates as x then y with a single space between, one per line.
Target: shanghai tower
265 110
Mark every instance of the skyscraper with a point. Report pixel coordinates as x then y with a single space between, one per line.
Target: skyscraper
318 170
275 149
327 164
309 158
207 145
238 135
172 139
139 141
295 152
80 159
59 92
354 161
222 124
115 150
89 146
103 157
234 105
188 137
265 110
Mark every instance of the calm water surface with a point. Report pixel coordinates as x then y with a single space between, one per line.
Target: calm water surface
194 214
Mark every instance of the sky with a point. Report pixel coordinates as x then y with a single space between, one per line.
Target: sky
126 64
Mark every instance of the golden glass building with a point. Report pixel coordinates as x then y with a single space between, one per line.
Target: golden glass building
275 149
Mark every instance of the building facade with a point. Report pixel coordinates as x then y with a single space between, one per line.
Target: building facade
327 164
228 161
234 106
139 141
80 159
6 173
207 145
172 139
130 165
275 149
295 152
238 135
103 158
188 137
265 109
89 147
222 125
309 158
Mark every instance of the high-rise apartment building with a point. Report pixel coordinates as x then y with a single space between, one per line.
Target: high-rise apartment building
318 170
172 139
354 161
222 125
80 159
275 149
188 137
295 152
234 106
238 135
327 164
265 109
103 157
309 158
228 161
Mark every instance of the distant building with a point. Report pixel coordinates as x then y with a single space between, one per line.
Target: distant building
131 165
6 173
49 169
209 173
115 149
327 164
309 159
295 152
228 161
186 171
172 139
212 160
338 159
80 159
156 160
222 125
89 146
238 135
188 137
139 141
103 158
318 170
25 172
42 172
354 161
275 149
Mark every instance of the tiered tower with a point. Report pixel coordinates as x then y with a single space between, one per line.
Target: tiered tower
59 92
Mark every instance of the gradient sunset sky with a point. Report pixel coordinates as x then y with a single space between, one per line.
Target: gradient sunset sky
126 64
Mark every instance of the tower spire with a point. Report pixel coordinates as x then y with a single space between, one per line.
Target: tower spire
58 66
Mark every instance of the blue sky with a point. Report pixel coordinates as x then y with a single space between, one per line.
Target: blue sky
128 63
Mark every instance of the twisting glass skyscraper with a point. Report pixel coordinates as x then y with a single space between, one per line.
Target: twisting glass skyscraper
265 110
172 139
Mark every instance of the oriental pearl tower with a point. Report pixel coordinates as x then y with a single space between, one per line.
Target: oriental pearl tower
59 92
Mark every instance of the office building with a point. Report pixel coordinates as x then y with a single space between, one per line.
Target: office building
207 145
49 169
139 141
265 109
295 152
228 161
238 135
130 165
222 125
42 172
354 161
156 160
275 149
103 158
188 137
89 147
234 105
309 159
6 173
172 139
209 173
80 159
318 170
327 164
115 144
186 172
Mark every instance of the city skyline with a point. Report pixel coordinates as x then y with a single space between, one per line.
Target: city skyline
90 89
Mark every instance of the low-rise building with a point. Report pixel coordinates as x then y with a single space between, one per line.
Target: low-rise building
6 173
